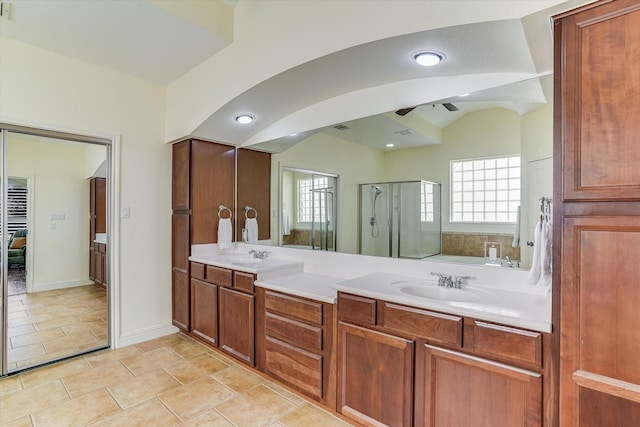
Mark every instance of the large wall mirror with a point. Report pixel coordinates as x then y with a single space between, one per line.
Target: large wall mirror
490 156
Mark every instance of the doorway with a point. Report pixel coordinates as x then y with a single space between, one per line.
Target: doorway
52 308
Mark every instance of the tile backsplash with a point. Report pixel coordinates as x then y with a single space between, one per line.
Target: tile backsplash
472 244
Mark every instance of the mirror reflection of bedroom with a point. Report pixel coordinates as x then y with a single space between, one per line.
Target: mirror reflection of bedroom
56 281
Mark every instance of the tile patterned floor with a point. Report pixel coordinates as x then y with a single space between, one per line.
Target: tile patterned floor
169 381
48 325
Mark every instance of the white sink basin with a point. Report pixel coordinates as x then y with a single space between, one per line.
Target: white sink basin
243 260
441 293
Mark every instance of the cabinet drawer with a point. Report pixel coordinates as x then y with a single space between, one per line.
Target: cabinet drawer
197 270
506 343
297 308
356 309
295 333
219 276
434 327
243 281
293 366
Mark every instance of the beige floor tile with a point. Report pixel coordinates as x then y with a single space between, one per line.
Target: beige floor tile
110 356
238 379
258 407
310 416
197 397
25 352
20 422
10 384
53 372
151 413
93 315
36 337
55 322
208 419
34 320
150 360
24 402
188 348
285 393
208 363
160 342
95 378
135 390
70 342
47 357
185 371
17 314
20 330
84 326
79 411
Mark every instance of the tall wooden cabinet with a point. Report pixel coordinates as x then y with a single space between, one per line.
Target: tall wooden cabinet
203 179
597 214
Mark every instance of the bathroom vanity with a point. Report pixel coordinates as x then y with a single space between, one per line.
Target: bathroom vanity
379 348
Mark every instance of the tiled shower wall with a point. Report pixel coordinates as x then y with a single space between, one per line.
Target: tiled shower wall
472 244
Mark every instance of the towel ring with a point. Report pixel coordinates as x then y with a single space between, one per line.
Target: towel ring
223 208
246 212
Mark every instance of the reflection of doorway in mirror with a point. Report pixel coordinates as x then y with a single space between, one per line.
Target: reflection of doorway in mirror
539 184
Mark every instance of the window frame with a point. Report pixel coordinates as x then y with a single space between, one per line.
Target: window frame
456 194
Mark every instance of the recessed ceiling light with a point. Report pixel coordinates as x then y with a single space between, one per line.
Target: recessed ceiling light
244 119
390 145
463 94
428 58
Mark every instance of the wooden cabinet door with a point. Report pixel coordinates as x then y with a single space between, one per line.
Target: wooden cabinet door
600 346
375 377
254 190
462 390
212 178
237 324
181 300
180 175
598 81
204 311
98 276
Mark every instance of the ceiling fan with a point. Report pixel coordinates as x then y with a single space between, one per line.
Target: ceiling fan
447 105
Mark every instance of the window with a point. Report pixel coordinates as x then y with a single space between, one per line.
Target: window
485 190
426 202
16 208
307 211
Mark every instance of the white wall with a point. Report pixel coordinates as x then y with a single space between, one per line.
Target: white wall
487 133
49 90
354 163
59 186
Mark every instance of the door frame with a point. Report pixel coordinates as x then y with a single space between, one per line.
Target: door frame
112 144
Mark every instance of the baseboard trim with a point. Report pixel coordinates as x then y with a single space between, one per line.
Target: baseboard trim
146 334
52 286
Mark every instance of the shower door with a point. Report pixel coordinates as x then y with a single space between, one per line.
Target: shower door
51 307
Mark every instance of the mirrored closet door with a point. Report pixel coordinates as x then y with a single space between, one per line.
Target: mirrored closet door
54 216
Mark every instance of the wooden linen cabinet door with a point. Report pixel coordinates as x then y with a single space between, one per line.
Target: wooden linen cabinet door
375 377
461 390
600 349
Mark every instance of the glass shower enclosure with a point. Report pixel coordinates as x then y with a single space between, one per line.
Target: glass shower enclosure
400 219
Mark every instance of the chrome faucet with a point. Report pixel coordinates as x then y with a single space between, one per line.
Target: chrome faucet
444 280
450 281
259 254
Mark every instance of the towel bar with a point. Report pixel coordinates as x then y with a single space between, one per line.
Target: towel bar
246 212
222 208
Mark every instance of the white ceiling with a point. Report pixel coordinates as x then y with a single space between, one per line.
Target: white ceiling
503 64
134 37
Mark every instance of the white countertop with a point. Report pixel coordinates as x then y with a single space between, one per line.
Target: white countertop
264 269
313 286
100 238
530 310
